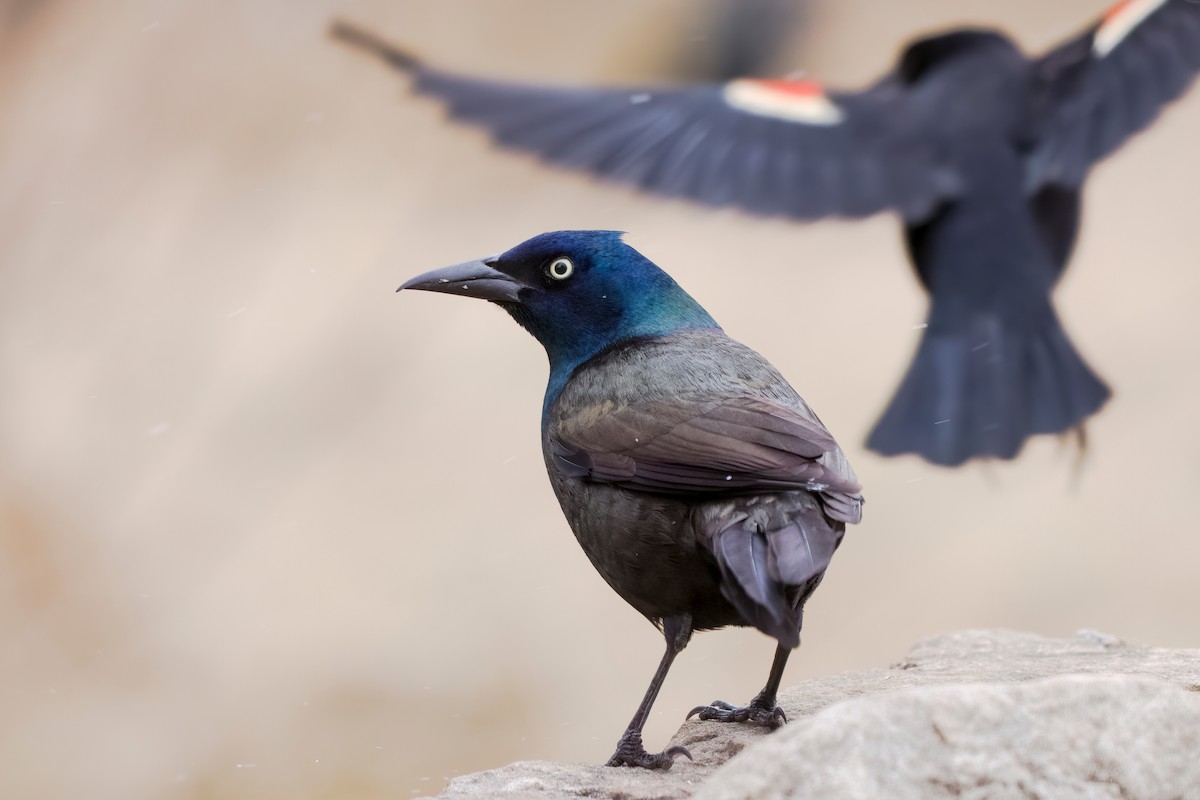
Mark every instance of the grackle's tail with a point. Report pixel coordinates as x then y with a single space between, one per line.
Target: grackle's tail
772 559
980 389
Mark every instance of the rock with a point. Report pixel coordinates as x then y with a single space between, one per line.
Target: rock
1074 737
1129 721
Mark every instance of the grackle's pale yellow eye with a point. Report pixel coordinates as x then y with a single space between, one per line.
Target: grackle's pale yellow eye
560 268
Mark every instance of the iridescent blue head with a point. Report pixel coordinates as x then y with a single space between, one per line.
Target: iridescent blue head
577 292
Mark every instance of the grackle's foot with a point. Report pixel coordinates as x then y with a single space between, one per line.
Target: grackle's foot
631 753
759 713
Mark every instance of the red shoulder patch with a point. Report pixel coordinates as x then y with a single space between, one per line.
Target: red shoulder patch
1117 8
798 87
797 100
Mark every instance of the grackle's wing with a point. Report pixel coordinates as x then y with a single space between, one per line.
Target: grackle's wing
771 147
735 445
1094 92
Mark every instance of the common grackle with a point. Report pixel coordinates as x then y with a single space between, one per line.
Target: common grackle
700 485
982 151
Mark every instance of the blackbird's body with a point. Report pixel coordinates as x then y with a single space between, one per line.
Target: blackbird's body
994 364
982 151
699 484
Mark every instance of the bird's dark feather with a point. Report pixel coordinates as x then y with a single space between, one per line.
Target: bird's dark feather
984 391
1084 104
742 553
718 431
688 141
1056 210
770 553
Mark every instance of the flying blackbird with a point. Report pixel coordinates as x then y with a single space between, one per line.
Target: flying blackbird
700 485
982 151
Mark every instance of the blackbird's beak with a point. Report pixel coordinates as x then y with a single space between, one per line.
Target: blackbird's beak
472 279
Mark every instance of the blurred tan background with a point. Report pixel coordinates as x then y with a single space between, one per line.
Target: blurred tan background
268 529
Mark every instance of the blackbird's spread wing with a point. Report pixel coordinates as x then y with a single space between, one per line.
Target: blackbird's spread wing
1094 92
770 147
740 445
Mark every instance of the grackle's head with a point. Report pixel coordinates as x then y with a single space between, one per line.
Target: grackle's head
577 292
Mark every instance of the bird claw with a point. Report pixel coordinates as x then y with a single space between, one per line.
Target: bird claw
631 753
769 716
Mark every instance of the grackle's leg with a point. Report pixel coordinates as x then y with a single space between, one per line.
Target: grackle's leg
630 751
762 709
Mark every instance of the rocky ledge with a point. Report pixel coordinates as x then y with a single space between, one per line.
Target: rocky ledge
979 714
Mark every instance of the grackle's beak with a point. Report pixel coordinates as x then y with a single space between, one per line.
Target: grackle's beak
472 279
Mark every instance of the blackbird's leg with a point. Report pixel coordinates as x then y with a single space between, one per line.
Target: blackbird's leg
630 752
762 709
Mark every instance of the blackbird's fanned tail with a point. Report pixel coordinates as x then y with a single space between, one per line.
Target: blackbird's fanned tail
983 390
